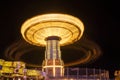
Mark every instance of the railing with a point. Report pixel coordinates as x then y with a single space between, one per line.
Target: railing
83 74
80 74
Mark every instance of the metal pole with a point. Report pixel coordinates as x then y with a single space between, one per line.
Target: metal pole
86 73
100 73
67 72
94 73
77 73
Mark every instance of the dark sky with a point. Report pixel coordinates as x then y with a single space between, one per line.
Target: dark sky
99 17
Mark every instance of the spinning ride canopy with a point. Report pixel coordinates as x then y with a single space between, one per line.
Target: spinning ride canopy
69 28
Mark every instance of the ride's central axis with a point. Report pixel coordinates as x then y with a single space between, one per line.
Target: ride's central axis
68 28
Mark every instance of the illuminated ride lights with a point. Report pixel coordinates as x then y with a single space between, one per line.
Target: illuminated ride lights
86 50
69 28
52 31
16 70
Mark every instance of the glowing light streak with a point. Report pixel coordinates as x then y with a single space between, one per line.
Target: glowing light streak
82 46
67 27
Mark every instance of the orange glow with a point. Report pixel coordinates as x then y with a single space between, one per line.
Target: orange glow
67 27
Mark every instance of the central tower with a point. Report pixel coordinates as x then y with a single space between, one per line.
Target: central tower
53 64
52 31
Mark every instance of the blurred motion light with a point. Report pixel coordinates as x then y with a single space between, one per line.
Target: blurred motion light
69 28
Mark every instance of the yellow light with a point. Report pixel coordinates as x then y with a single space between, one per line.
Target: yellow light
52 66
1 62
7 69
67 27
7 63
32 72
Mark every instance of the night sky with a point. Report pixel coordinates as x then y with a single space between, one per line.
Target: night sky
100 19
